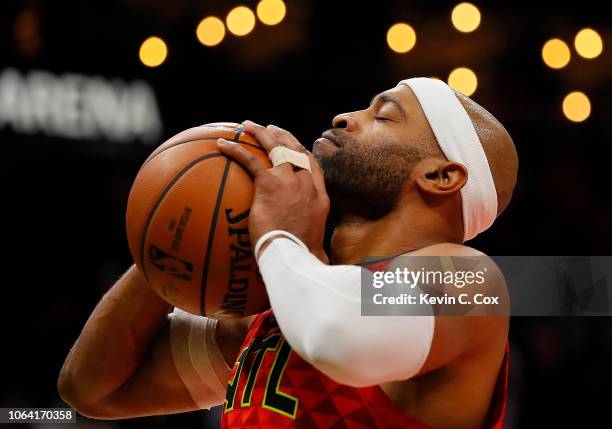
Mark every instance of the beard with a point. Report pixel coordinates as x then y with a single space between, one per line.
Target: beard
366 179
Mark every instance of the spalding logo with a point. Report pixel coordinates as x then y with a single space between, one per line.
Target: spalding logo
235 299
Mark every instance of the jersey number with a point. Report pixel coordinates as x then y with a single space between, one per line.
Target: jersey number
274 399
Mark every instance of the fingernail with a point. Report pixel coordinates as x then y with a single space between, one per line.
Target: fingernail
224 142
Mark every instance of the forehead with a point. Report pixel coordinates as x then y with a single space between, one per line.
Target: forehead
415 117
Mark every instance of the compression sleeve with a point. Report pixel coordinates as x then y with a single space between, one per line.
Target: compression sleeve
318 310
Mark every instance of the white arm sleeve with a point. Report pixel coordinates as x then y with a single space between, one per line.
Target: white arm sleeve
318 309
197 358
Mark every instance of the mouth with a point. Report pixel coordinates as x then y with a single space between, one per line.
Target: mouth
329 136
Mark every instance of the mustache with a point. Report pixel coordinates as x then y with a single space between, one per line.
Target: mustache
341 137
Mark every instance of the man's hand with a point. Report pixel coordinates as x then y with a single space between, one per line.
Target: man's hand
286 198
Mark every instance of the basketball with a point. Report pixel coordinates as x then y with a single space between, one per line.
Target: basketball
187 224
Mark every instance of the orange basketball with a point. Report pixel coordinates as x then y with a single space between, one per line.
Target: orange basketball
187 224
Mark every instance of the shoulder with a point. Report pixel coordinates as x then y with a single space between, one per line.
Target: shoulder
453 256
462 335
467 275
447 249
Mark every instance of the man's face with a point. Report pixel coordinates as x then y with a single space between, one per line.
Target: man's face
369 154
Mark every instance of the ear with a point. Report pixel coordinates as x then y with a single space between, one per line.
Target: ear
439 177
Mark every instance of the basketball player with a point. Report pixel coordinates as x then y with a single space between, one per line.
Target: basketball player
418 172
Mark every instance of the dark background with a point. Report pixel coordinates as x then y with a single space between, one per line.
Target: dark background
64 200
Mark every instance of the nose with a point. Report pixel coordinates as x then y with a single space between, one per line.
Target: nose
345 121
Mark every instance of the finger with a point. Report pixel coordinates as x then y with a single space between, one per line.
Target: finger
305 177
263 136
248 160
288 140
282 170
251 123
285 138
318 177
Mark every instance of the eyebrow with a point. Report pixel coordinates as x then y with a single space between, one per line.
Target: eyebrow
387 98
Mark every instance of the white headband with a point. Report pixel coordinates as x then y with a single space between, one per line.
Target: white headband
459 142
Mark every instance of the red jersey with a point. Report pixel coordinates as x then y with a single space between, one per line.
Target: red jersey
273 387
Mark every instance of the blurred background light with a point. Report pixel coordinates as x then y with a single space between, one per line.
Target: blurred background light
556 53
576 106
401 37
153 52
588 43
240 21
27 33
210 31
465 17
271 12
464 80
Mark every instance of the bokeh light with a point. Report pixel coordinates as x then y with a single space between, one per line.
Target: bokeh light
210 31
576 106
401 37
556 53
27 32
465 17
588 43
240 21
271 12
153 52
463 80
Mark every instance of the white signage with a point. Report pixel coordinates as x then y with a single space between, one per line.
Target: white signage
80 107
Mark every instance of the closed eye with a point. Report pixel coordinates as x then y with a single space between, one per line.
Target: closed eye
380 118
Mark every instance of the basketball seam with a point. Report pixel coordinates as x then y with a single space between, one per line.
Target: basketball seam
235 140
211 237
239 131
160 199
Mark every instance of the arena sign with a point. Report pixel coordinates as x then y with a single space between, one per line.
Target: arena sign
75 106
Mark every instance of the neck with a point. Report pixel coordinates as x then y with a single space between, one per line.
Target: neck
403 230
